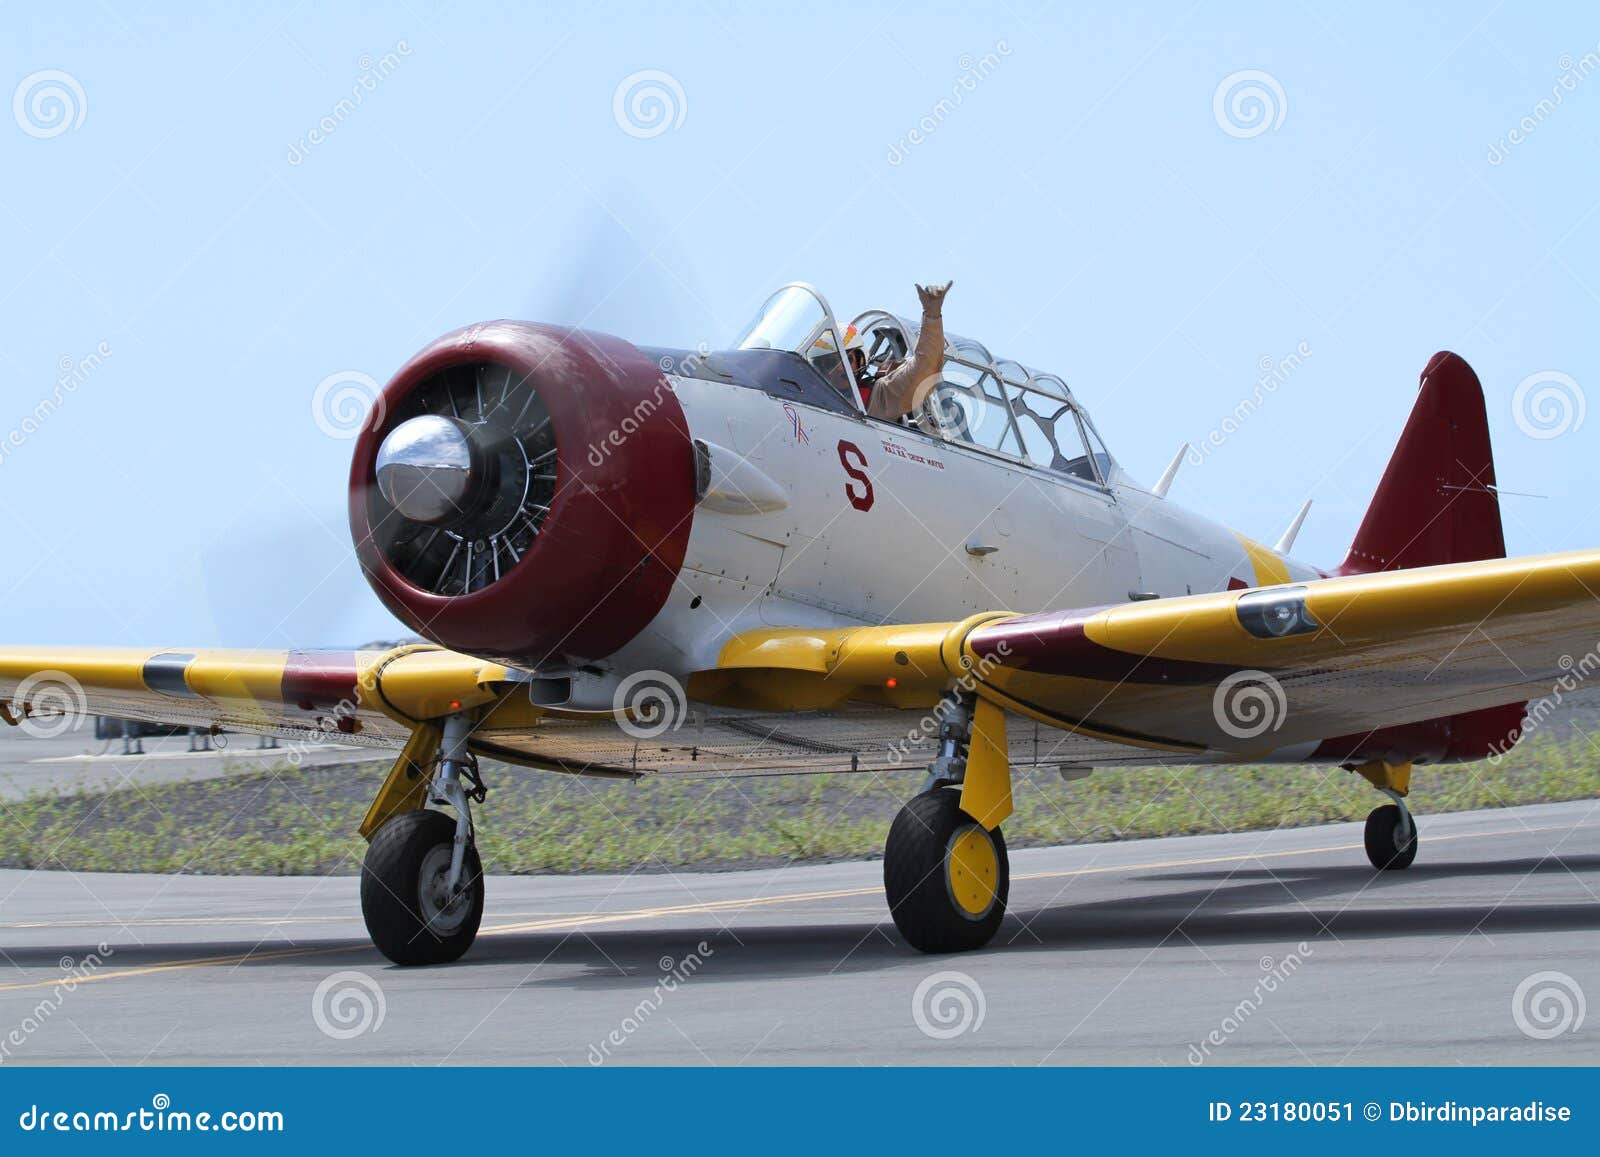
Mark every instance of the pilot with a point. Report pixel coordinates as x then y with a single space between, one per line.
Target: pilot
896 388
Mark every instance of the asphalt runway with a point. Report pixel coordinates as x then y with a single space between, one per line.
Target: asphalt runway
1284 945
75 760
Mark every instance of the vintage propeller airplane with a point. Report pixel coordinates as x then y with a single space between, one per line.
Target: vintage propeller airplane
639 561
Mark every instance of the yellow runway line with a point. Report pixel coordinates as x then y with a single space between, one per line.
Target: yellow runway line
583 920
199 921
801 897
173 966
173 922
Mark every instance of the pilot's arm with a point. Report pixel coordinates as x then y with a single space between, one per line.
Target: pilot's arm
907 386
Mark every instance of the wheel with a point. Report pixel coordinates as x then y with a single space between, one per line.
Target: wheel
402 890
945 877
1383 839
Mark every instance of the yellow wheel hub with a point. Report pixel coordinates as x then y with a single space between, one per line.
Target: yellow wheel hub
972 871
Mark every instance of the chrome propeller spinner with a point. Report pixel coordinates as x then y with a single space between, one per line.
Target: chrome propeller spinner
469 479
427 470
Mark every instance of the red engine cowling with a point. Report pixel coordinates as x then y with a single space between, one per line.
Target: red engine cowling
565 522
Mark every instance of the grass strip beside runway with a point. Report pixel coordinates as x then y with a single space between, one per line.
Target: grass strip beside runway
303 821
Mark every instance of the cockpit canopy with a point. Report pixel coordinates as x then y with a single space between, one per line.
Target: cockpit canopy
996 404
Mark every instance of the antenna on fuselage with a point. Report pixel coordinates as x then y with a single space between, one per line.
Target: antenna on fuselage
1286 542
1165 481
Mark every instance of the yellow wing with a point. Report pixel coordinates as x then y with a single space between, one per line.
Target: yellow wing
358 697
1404 664
1427 664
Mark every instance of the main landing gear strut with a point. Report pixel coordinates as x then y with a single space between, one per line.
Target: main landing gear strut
945 871
1391 835
421 881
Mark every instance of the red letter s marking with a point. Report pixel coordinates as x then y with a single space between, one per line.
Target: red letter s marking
860 499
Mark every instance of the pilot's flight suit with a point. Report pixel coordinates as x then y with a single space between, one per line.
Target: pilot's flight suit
904 388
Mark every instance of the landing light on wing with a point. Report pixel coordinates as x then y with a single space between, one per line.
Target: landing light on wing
1275 613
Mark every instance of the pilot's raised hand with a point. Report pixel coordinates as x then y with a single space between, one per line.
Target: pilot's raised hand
903 389
932 297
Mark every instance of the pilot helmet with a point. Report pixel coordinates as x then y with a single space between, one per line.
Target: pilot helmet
852 340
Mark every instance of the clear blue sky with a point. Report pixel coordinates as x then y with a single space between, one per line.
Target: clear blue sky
1097 218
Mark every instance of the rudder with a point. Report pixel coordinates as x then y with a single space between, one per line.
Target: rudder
1437 501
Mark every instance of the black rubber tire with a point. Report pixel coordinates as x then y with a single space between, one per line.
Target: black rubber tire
914 876
1382 825
391 878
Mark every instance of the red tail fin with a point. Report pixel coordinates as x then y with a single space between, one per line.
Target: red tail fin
1437 501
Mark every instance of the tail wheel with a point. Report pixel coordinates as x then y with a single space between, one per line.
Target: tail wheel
1385 847
410 914
945 876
